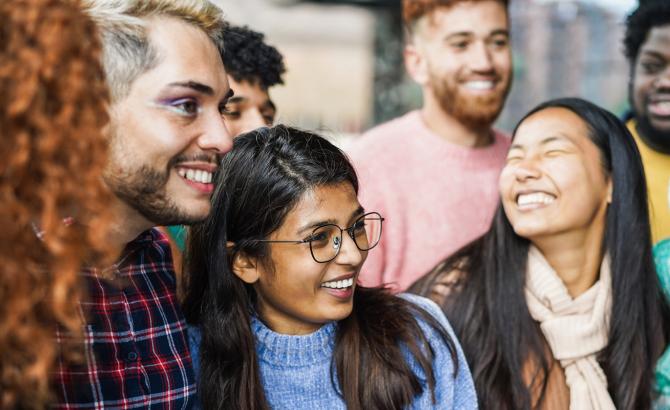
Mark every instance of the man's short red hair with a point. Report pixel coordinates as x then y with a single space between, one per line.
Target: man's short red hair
412 10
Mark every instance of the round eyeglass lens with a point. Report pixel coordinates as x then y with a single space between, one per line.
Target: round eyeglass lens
368 231
326 242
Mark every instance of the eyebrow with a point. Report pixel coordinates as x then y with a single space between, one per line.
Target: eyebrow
359 211
241 98
237 99
195 86
497 32
652 53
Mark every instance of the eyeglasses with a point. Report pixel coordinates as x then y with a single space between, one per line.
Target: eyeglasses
325 241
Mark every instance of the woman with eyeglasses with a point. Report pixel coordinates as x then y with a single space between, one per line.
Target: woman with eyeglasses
277 318
558 306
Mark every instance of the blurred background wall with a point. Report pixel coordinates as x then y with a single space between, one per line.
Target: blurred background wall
345 71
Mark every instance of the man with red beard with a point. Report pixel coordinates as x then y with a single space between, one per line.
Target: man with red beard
433 172
647 47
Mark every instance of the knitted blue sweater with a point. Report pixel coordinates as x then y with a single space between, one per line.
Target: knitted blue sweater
296 369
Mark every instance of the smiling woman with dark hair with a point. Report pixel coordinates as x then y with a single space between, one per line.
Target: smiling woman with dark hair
281 322
559 305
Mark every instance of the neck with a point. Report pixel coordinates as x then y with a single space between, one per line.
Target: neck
576 257
450 128
127 224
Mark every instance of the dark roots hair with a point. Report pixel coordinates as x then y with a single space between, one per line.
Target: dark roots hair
248 58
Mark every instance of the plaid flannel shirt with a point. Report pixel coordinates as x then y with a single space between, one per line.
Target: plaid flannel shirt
136 345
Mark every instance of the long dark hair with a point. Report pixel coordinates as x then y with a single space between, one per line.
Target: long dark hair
261 181
489 312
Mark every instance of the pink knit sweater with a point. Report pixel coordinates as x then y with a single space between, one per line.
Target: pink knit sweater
435 196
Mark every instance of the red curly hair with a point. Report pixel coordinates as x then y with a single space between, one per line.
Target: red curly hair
413 10
52 153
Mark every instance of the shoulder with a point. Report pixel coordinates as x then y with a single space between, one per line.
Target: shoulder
384 135
424 303
454 387
433 310
502 138
194 338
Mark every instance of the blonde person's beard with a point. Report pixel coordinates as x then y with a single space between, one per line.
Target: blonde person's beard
472 111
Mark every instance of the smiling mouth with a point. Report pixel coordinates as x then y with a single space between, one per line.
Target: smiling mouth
339 284
659 108
480 85
196 175
534 200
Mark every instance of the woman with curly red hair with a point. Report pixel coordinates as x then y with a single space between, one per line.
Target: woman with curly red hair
52 197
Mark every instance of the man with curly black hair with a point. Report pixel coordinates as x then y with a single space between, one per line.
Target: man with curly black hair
253 67
647 47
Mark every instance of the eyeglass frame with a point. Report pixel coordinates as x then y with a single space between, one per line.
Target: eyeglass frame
349 231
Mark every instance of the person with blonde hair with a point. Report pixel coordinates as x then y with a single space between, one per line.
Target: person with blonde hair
52 196
169 90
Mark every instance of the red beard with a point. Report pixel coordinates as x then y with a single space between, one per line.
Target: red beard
473 111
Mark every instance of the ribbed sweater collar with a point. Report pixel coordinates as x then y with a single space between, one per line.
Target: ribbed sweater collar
293 351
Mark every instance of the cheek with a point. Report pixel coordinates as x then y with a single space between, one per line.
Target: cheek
505 185
583 188
233 126
295 275
641 87
503 62
505 181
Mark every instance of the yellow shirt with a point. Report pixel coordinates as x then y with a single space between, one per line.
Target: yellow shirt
657 169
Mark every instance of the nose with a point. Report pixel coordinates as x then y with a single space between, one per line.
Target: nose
251 120
526 169
480 57
663 80
215 136
349 253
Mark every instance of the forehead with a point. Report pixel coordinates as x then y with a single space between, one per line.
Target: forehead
552 122
185 51
472 17
327 202
658 41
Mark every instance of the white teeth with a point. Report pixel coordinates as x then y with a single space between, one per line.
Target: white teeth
196 175
538 198
339 284
479 85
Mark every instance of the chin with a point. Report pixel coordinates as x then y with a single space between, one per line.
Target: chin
341 314
529 232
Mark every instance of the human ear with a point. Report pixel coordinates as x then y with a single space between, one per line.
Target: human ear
244 266
415 63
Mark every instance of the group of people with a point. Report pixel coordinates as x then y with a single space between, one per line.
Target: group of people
168 246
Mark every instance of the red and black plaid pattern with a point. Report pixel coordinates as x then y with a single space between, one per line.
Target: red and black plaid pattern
136 349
